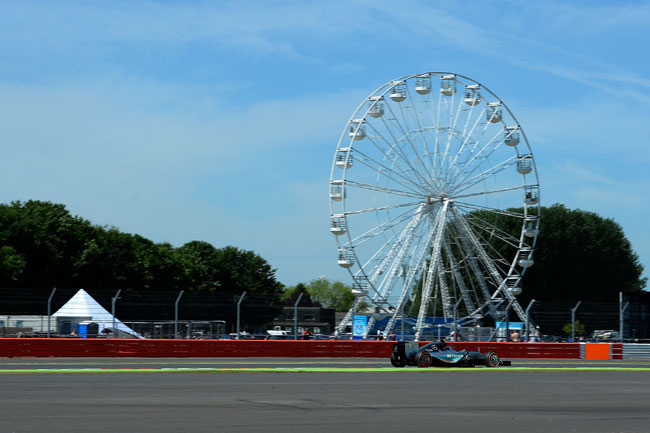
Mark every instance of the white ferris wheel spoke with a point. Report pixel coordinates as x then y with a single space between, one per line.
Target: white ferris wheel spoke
423 176
490 209
486 226
488 192
381 189
408 129
390 174
467 136
420 112
381 228
398 152
377 209
485 175
469 139
470 167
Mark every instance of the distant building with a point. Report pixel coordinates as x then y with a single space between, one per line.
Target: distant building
311 316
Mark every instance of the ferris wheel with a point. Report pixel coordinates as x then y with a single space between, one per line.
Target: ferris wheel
434 197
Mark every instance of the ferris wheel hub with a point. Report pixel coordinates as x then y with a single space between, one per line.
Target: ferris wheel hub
437 198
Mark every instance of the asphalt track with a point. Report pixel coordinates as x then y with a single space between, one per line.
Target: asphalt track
295 395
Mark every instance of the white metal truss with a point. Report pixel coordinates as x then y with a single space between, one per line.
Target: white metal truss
487 262
458 279
397 265
414 271
434 263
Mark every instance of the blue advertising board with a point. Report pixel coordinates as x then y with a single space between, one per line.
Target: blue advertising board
511 325
359 325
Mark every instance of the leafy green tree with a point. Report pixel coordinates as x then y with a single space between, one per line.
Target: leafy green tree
12 266
199 261
158 267
46 242
292 292
329 294
43 245
581 255
109 262
580 329
240 270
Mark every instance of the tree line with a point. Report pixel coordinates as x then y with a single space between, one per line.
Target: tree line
579 256
43 245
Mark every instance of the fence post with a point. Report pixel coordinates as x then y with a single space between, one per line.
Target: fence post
456 320
176 314
402 321
113 301
49 311
241 298
295 316
621 310
530 305
573 322
508 320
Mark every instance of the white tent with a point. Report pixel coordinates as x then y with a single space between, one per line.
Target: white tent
83 306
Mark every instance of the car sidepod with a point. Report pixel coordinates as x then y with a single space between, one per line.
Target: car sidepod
450 358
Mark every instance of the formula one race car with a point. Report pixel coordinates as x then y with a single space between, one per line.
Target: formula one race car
438 354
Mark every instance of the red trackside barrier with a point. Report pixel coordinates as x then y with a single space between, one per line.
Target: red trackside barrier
523 350
106 347
616 351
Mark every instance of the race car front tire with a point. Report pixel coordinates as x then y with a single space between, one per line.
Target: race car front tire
424 360
492 359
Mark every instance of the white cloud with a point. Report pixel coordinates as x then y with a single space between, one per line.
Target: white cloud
97 112
230 175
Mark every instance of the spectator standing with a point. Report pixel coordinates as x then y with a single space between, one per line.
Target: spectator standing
534 335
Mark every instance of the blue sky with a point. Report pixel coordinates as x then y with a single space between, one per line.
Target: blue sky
218 121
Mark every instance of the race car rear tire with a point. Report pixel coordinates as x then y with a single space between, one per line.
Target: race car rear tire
425 360
395 362
492 359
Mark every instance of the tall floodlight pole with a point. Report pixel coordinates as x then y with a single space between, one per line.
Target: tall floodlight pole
573 322
176 313
49 310
241 298
621 310
113 301
295 316
530 305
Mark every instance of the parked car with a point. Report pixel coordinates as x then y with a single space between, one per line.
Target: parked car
604 335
